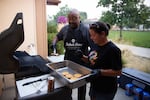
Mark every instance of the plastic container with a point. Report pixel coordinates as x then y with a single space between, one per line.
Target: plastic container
138 93
146 96
129 89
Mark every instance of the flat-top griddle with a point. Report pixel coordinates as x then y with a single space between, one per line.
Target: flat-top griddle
73 68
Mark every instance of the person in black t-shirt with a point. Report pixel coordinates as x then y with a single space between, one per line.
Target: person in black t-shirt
76 42
105 62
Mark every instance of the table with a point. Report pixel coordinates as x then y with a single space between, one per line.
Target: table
30 92
60 92
56 58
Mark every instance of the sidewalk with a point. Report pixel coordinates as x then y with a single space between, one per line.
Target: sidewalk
120 95
139 51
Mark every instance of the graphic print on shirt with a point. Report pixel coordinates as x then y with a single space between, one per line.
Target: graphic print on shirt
73 45
74 40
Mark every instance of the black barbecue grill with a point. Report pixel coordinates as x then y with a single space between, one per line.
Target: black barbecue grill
10 40
22 64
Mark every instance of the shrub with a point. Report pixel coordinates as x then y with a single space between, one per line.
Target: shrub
59 46
51 27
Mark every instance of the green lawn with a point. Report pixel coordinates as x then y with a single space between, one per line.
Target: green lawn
136 38
141 39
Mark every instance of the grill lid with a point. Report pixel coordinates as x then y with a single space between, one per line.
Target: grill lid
10 40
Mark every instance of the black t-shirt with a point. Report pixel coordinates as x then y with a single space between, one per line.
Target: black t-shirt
75 39
109 57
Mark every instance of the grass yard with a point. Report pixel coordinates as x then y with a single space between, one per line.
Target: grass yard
136 38
141 39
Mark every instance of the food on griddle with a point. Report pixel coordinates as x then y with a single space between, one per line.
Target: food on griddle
73 78
77 75
69 76
65 73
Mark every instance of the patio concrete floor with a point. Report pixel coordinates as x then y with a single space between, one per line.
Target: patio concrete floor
120 95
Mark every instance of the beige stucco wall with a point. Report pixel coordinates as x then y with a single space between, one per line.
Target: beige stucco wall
41 28
8 10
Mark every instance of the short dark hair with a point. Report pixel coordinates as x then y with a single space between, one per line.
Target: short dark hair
100 26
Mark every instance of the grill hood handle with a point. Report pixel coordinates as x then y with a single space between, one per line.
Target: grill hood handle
10 40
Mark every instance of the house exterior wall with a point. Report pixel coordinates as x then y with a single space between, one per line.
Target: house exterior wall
9 8
41 27
34 19
35 25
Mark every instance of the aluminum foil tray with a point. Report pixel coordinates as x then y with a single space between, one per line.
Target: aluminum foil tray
72 68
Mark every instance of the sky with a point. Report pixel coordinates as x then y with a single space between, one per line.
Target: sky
88 6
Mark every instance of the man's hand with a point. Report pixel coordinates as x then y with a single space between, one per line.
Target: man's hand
53 47
79 53
54 53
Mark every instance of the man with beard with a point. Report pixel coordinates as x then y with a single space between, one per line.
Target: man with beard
76 42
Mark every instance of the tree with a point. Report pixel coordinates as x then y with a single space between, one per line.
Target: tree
144 16
51 27
126 12
83 16
63 12
108 17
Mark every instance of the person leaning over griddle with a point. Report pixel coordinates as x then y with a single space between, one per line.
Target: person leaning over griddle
105 62
76 41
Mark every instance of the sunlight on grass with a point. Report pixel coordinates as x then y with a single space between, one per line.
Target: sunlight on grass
136 38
